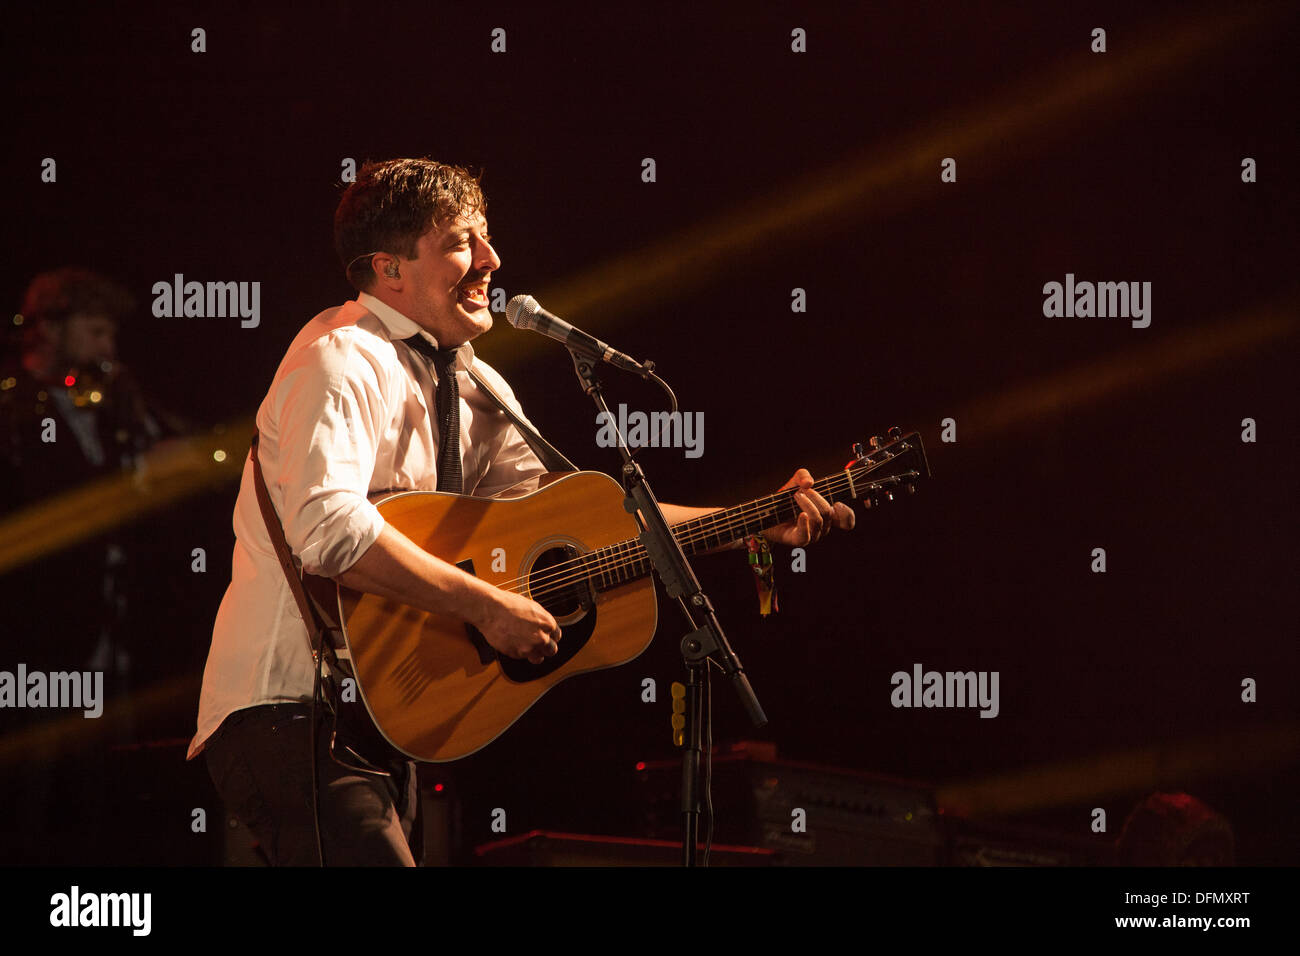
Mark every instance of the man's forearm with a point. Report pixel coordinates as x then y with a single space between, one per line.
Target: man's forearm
397 568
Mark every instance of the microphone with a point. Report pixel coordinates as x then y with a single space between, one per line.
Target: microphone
523 312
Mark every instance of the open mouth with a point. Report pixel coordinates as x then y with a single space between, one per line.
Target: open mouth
474 296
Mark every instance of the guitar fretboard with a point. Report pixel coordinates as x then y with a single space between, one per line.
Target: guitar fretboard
628 560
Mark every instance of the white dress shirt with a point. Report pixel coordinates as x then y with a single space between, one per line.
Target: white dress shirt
350 412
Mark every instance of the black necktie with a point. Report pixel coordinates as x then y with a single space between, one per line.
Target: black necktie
448 400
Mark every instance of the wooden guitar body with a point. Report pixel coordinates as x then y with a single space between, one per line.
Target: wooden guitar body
438 691
434 687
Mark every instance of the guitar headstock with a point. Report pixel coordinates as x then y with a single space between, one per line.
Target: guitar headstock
890 464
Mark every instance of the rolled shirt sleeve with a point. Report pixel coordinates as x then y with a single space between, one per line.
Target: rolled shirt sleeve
330 410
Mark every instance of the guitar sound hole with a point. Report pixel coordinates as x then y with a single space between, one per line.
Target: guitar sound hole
564 591
569 599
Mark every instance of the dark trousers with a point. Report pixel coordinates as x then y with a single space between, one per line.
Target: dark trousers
260 761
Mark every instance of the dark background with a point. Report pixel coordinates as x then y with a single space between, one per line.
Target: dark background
924 302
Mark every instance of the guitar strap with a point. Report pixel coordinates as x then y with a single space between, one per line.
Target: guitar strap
312 616
551 459
354 731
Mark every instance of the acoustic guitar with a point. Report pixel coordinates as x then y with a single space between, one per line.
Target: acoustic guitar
434 686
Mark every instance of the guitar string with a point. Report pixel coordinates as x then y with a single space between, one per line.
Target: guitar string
630 552
635 553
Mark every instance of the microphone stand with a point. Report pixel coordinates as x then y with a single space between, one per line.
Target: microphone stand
705 641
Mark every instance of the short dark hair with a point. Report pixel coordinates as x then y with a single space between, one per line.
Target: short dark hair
393 203
54 296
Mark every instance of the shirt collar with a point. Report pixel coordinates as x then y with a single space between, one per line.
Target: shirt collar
400 327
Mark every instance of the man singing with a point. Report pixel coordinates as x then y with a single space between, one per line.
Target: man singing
375 395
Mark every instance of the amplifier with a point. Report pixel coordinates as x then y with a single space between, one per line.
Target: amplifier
982 843
808 815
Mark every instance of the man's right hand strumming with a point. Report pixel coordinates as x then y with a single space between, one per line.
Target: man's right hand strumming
395 567
518 626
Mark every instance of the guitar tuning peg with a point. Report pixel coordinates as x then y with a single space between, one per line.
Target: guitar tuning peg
878 441
895 433
858 451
